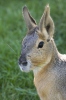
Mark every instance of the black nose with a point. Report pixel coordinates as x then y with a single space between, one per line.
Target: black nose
22 60
24 63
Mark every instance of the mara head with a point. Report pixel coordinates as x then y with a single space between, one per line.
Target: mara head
37 46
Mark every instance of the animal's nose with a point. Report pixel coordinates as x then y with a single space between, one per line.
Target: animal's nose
24 63
22 60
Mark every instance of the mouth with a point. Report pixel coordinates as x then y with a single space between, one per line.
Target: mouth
25 68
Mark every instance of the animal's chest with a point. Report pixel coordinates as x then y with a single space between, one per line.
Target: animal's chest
46 87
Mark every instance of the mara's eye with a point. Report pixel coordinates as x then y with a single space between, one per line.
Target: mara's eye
41 44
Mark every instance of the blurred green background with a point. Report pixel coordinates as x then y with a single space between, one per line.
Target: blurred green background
14 84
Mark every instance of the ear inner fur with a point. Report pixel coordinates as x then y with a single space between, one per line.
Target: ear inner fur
47 22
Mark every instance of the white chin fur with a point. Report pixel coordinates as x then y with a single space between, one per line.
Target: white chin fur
25 68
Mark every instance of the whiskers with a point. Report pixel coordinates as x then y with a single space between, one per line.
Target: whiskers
13 51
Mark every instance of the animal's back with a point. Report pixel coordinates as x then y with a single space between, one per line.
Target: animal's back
60 70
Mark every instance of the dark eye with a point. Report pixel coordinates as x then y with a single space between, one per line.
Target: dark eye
41 44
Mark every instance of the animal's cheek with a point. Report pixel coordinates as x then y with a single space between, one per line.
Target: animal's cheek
35 57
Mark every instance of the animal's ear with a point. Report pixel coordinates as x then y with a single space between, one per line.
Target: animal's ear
30 22
46 22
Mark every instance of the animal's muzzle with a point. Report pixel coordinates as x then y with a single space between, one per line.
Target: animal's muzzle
22 60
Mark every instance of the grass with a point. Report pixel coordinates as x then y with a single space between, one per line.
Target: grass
14 84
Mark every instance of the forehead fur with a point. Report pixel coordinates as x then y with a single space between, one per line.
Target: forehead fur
30 40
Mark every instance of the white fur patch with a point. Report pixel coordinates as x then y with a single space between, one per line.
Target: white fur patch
25 68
